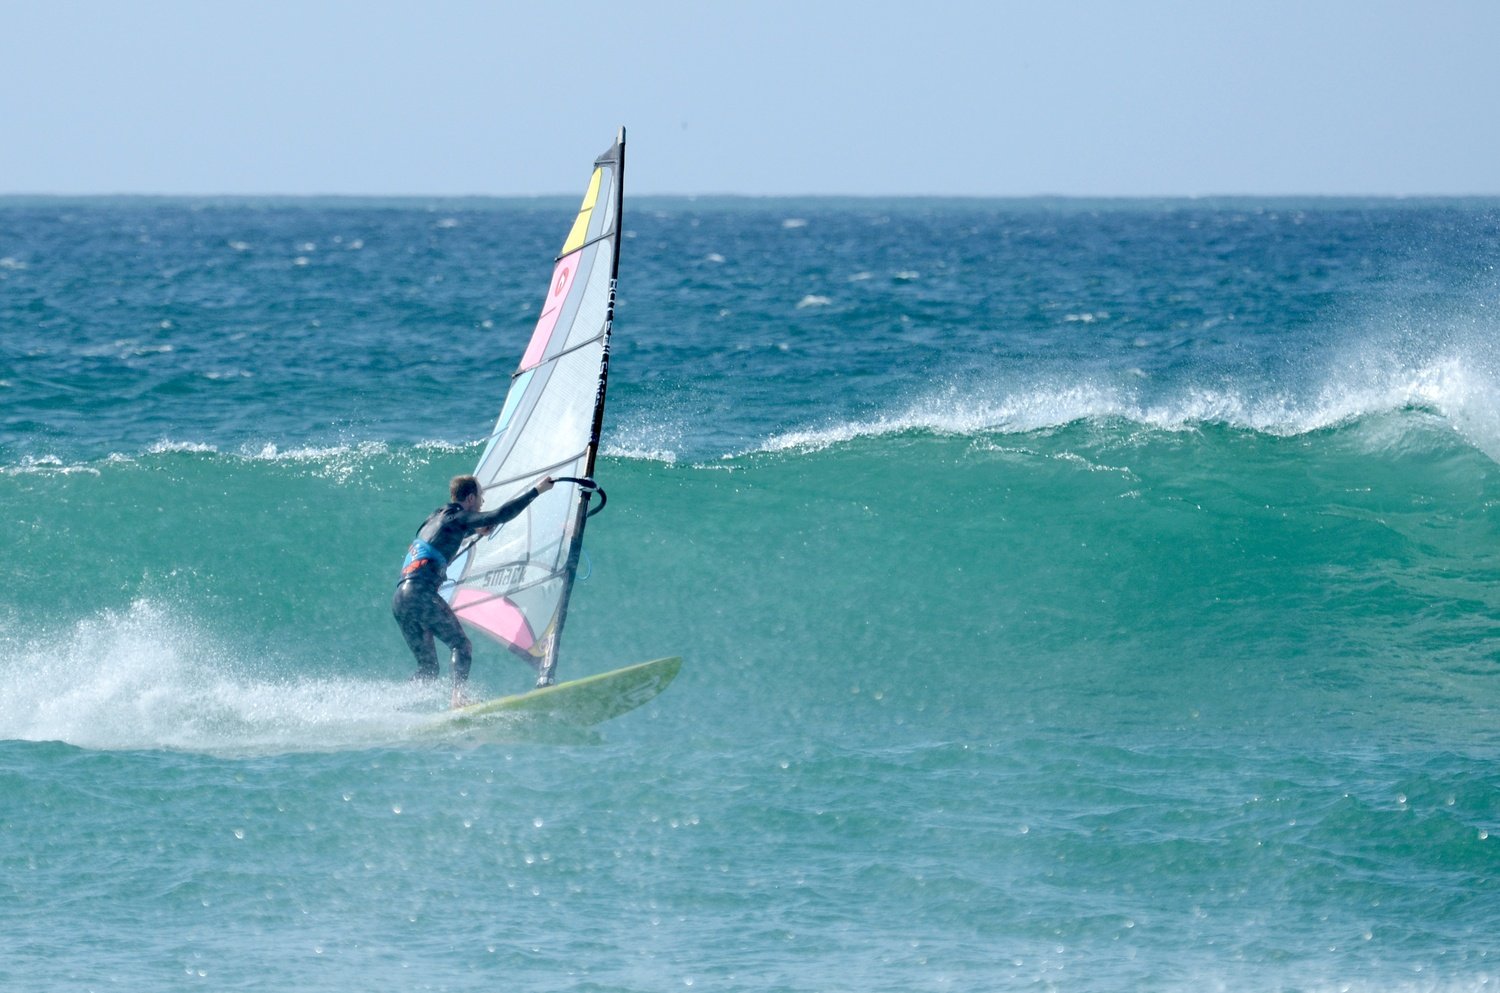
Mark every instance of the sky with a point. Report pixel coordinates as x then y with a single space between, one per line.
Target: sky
802 97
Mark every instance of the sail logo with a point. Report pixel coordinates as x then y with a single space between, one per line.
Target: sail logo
504 577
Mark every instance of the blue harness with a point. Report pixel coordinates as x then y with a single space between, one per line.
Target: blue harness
418 555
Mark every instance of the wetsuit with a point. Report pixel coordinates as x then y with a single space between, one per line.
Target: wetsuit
419 610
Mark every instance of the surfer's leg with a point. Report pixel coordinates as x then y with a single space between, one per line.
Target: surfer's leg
451 633
437 618
417 634
426 653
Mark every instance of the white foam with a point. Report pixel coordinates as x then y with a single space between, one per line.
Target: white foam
666 456
955 411
167 446
45 465
1453 390
647 440
148 678
340 459
271 452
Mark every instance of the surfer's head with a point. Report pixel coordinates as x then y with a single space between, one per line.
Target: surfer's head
460 488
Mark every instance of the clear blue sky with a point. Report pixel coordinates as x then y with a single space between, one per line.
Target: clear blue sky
989 97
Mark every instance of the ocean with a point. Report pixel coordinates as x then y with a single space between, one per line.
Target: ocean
1074 595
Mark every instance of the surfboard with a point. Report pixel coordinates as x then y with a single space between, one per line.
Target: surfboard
576 703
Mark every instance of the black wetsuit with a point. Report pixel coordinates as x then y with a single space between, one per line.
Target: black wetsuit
420 611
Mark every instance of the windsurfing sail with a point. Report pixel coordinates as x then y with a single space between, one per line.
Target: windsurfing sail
513 585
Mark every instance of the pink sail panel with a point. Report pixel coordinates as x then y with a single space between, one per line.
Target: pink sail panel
557 295
494 615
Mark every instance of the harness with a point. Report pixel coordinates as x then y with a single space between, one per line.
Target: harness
419 555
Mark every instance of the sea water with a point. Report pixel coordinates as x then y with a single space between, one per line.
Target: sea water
1074 595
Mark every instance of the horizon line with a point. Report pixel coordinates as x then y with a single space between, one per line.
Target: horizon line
127 195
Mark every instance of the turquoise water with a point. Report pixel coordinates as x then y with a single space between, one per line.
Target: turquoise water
1076 596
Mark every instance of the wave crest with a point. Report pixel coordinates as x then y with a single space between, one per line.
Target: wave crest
1454 392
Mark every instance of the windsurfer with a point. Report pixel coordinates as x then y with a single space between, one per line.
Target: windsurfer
423 614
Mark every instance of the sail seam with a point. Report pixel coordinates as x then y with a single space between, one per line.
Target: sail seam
533 474
566 351
588 244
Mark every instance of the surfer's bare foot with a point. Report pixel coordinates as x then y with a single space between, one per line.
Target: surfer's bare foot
460 699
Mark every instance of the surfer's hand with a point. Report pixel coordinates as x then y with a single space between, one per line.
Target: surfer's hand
544 484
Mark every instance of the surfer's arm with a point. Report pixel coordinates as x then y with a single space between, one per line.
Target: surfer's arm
511 508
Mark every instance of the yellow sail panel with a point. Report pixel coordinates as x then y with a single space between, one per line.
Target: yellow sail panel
581 225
